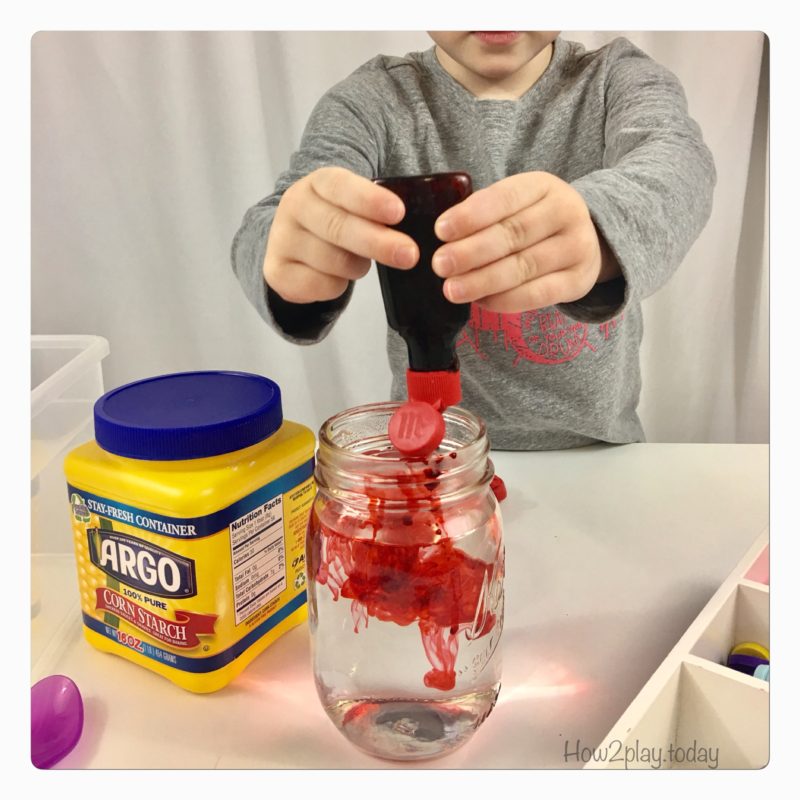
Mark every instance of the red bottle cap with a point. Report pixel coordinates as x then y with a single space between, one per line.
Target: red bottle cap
440 388
416 429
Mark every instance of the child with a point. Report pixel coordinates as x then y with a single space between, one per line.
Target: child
591 183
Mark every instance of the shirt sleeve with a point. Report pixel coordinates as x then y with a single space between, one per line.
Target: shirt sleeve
653 195
345 129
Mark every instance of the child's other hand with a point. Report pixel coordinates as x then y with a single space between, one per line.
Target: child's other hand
522 243
327 228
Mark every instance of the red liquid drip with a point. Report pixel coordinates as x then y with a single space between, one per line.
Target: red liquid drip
414 573
499 488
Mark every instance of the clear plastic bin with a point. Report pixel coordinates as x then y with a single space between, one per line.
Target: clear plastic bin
66 380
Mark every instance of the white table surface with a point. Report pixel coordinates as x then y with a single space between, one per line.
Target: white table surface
610 554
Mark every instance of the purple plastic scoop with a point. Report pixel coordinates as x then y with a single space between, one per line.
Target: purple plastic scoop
56 719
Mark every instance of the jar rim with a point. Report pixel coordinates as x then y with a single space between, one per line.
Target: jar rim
343 468
452 413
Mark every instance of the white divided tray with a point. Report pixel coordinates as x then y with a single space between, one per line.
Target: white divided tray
694 712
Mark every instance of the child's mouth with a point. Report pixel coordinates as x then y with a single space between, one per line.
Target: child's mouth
497 37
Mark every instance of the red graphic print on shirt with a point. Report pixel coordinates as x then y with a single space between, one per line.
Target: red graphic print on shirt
544 336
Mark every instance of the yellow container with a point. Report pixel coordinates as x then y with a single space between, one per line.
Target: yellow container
189 513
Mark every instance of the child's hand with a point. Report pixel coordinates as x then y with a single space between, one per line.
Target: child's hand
522 243
327 228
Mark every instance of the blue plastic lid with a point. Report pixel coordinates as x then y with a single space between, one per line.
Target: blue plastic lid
187 415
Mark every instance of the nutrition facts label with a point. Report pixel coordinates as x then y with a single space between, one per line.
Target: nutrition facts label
258 553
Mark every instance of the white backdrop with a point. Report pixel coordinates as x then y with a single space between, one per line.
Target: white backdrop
147 148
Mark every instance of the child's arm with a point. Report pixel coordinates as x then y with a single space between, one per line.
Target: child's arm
532 240
298 251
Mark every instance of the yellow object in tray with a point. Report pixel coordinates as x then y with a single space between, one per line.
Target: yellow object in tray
750 649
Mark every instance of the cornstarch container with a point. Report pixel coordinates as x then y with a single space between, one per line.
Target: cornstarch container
189 513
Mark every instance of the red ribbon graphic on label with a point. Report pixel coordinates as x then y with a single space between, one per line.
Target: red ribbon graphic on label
180 632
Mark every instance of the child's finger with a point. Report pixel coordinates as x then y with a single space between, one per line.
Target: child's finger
358 195
326 257
355 234
509 236
553 254
491 205
556 287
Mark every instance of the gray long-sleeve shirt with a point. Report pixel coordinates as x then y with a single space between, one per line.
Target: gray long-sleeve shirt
614 124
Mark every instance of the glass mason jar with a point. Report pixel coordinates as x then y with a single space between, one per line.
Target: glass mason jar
405 561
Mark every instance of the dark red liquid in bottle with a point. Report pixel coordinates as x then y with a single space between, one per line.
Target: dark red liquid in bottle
415 304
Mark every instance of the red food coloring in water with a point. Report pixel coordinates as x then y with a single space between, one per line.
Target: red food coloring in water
412 573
